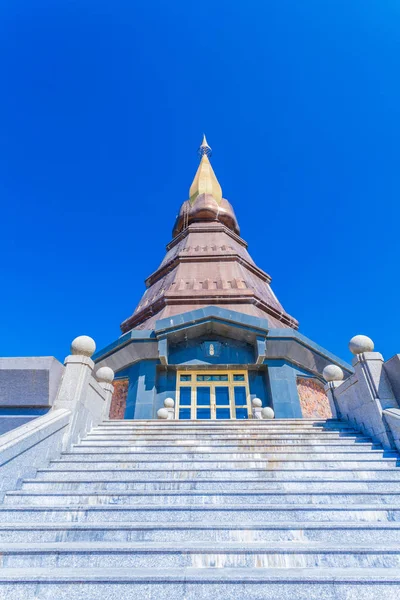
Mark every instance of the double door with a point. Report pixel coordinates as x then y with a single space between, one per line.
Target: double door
212 395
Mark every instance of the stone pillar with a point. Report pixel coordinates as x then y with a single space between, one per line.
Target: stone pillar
330 392
256 405
283 389
364 396
369 368
142 390
168 412
105 377
373 385
333 375
75 383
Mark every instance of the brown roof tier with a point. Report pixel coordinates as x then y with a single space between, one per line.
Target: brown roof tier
207 263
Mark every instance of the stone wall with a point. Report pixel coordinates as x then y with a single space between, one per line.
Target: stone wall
28 387
313 399
118 402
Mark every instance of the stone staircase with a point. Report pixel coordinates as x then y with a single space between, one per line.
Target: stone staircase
207 509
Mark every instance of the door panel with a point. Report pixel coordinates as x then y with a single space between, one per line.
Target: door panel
242 413
184 413
203 413
185 396
208 395
223 413
203 394
221 395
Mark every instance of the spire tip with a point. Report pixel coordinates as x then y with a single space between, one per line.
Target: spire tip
204 149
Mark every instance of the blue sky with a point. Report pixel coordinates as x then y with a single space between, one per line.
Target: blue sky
102 108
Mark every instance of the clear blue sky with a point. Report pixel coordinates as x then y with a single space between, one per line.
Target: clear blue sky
102 108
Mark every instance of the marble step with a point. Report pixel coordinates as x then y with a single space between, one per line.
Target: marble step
213 486
225 424
223 431
247 443
227 448
240 434
82 471
243 514
232 425
199 584
165 555
199 499
129 462
122 452
232 440
352 533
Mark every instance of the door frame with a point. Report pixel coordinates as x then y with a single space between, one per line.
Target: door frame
206 381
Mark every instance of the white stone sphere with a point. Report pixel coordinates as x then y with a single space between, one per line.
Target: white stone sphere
105 375
256 402
83 346
267 413
332 373
361 343
169 403
162 413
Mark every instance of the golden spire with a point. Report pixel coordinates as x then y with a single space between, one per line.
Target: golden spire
204 147
205 180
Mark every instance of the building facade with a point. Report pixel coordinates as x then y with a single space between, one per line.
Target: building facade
209 332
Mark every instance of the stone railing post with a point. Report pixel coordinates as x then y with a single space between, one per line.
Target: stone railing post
363 397
368 366
168 412
256 405
78 369
374 383
86 398
333 375
105 377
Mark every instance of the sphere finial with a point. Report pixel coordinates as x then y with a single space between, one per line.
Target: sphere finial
204 148
361 343
333 373
267 412
83 345
105 375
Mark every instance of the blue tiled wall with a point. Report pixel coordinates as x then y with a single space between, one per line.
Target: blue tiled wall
258 386
150 382
140 402
192 353
166 386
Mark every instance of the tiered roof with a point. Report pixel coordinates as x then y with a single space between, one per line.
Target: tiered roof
207 263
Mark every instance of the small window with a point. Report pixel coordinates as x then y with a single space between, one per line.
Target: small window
212 377
186 378
238 378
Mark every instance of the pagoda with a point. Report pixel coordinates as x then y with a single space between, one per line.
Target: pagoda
209 332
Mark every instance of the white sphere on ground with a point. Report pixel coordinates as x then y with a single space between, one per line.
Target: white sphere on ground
83 346
361 343
105 375
169 403
256 402
162 413
267 413
332 373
